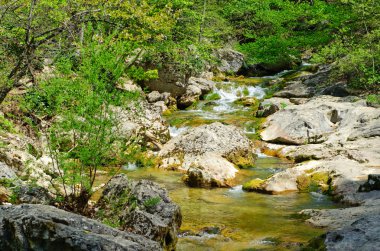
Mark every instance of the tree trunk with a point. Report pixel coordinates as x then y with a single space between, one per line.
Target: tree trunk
4 90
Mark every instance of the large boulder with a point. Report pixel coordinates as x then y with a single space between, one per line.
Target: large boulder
6 172
170 79
192 151
342 157
319 79
363 234
340 176
295 89
19 160
322 118
230 61
292 126
209 170
195 90
355 228
186 92
141 207
40 227
191 96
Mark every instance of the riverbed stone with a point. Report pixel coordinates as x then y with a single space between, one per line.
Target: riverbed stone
210 170
141 207
348 225
272 105
41 227
295 89
363 234
191 96
225 143
320 119
373 183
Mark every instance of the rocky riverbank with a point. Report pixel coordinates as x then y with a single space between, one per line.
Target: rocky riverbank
335 142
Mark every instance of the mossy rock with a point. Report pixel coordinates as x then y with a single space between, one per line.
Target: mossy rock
212 96
242 160
167 112
4 194
316 244
313 182
248 102
246 81
253 185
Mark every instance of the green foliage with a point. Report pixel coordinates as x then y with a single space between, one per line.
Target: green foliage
212 96
152 202
356 47
6 125
82 137
277 31
373 99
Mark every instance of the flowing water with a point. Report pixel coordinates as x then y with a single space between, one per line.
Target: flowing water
231 219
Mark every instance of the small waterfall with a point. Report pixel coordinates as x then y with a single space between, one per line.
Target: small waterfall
174 131
230 92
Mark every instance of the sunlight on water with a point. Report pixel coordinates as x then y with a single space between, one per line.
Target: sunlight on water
242 220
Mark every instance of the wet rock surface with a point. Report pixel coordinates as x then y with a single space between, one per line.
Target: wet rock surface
40 227
141 207
336 142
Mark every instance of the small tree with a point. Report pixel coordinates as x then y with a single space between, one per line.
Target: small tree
82 136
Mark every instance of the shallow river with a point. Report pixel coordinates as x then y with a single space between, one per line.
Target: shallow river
231 219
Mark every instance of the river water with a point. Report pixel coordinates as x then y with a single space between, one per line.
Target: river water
229 218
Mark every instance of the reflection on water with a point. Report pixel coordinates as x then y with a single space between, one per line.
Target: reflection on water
245 220
239 220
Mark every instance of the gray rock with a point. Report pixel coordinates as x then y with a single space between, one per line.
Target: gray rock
203 84
29 194
373 183
272 105
227 145
210 170
291 126
6 172
363 234
339 218
320 119
195 90
192 95
230 61
295 89
337 90
154 97
143 208
40 227
320 78
129 86
143 120
170 79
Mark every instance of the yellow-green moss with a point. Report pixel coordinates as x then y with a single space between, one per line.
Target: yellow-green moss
314 182
253 185
248 101
246 81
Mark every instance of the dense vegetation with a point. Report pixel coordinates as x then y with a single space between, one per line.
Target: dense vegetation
93 45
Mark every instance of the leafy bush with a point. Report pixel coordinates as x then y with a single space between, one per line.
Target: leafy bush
81 99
